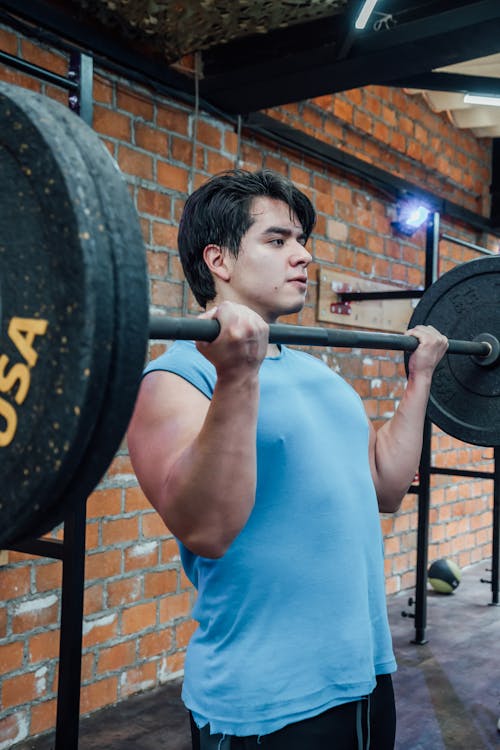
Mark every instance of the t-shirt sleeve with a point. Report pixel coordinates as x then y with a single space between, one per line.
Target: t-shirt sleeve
183 358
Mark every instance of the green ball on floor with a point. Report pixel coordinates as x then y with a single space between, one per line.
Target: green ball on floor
444 576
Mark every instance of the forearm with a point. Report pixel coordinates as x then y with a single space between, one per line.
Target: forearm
209 492
398 444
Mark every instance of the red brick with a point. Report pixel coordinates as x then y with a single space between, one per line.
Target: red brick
139 617
152 202
111 123
11 657
151 139
183 632
14 582
37 612
172 177
172 119
43 646
159 582
166 294
124 591
135 163
43 716
8 42
135 500
21 689
119 530
165 235
48 576
102 565
13 728
142 555
135 102
116 657
98 694
155 644
99 630
174 606
104 503
102 90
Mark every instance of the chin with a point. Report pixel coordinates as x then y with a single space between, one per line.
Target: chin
291 310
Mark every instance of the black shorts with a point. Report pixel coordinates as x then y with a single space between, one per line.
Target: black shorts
368 724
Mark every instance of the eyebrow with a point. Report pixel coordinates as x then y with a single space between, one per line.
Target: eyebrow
284 232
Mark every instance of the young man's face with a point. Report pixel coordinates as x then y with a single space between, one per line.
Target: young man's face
270 273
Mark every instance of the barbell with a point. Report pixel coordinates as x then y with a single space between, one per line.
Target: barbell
75 324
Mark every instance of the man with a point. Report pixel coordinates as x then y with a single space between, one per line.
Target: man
263 464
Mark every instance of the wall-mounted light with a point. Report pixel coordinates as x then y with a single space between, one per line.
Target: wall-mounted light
410 217
491 101
365 13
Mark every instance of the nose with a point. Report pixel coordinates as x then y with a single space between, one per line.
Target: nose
300 255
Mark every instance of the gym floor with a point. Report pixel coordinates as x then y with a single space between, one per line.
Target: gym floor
447 691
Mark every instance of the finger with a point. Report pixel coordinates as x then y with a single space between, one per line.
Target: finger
209 314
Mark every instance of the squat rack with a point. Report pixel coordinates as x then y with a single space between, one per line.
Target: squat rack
423 487
426 470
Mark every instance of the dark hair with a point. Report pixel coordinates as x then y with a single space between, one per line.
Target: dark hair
218 213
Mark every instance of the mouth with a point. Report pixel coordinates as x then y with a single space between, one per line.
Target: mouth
299 280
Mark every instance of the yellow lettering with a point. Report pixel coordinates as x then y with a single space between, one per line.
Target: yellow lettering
9 415
17 374
22 332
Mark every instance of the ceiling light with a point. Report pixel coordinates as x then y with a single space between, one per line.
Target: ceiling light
492 101
365 13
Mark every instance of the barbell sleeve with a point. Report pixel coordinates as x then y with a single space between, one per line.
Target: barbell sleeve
279 333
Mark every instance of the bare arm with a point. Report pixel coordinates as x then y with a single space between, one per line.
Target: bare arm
196 459
396 447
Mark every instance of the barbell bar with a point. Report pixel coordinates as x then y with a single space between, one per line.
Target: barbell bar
173 329
75 323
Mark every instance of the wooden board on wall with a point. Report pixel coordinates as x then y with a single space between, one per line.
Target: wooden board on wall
380 315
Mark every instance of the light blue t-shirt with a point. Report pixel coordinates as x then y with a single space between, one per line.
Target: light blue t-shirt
292 619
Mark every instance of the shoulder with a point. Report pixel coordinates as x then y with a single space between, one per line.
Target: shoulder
178 351
182 358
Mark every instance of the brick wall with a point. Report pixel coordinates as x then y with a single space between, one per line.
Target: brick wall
137 600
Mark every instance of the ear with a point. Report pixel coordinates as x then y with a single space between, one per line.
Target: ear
218 260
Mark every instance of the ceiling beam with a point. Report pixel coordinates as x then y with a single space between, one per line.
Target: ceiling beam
456 82
409 49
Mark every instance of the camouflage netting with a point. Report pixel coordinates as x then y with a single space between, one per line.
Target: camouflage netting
180 27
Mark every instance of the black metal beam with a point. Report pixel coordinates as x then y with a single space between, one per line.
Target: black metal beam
495 183
78 28
34 70
409 49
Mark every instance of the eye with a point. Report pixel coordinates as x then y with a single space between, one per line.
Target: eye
278 242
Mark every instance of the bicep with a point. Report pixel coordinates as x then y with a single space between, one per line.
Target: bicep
168 415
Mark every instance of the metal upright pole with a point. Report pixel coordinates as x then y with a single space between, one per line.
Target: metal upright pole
70 640
495 556
424 486
424 496
73 579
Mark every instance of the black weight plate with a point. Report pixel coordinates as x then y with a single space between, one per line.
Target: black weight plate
130 315
55 267
465 395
